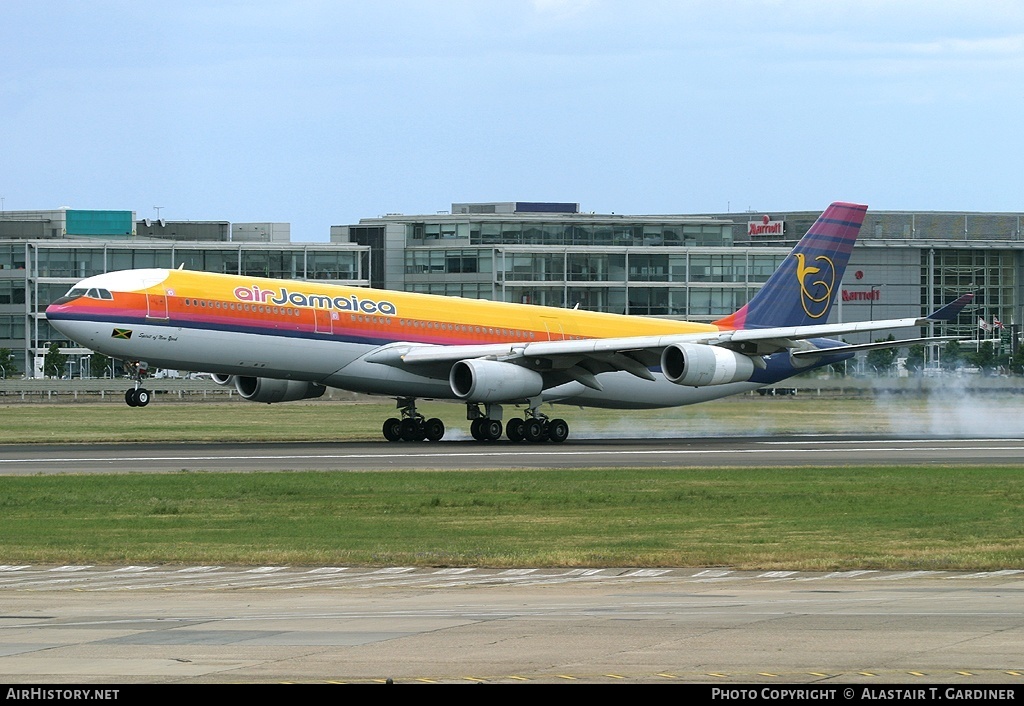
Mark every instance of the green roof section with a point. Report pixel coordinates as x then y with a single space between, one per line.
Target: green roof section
104 223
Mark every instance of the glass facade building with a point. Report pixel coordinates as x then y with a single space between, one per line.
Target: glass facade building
34 272
552 255
696 267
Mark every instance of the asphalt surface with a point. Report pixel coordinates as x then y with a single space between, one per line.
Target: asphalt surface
208 624
638 453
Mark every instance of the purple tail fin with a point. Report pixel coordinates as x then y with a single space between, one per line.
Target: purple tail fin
802 290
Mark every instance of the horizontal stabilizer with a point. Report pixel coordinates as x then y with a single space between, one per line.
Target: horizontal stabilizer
951 310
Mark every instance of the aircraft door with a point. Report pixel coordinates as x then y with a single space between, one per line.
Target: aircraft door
156 301
323 320
554 328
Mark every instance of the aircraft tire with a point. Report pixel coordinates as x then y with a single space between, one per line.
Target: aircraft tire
514 430
434 429
490 430
142 397
474 429
558 430
410 430
393 429
534 431
130 399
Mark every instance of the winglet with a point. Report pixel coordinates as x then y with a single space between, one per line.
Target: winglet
951 310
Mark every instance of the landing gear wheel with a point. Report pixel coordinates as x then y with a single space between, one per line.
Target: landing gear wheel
392 429
484 429
490 429
534 431
558 430
434 429
411 431
514 429
137 397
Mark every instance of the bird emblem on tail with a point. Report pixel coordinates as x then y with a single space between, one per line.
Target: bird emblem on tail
815 295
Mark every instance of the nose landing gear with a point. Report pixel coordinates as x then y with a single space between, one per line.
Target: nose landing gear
138 396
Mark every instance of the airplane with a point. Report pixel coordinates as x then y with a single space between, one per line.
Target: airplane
280 340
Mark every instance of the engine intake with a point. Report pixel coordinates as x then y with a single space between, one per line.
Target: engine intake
492 381
697 365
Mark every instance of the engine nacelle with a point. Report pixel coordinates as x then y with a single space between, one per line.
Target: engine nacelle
223 380
493 381
697 365
269 390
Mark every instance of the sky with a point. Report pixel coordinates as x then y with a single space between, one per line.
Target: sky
319 113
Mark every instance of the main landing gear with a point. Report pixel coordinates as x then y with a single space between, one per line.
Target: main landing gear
485 425
138 396
537 427
412 426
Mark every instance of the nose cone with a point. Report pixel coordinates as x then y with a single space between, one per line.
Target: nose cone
64 311
73 320
56 310
62 305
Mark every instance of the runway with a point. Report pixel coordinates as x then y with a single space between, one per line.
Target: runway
466 455
274 624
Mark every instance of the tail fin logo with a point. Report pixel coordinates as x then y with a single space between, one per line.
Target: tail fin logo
816 294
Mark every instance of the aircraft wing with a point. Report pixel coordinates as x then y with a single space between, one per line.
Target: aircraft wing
636 354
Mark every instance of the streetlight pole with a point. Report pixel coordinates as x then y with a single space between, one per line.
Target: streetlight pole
876 290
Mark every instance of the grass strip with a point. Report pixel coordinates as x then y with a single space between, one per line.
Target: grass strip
956 518
167 420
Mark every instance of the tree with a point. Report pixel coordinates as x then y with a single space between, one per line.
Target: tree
1017 361
54 361
881 359
98 365
7 364
915 359
984 358
952 355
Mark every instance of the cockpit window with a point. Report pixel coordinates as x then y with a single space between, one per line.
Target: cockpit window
92 293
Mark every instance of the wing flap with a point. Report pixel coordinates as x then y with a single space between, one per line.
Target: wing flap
873 346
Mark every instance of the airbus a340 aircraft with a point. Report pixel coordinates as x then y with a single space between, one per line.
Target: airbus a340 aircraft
281 340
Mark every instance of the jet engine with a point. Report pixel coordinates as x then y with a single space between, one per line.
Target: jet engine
270 390
493 381
697 365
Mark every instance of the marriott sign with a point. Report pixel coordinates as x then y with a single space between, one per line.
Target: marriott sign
766 226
